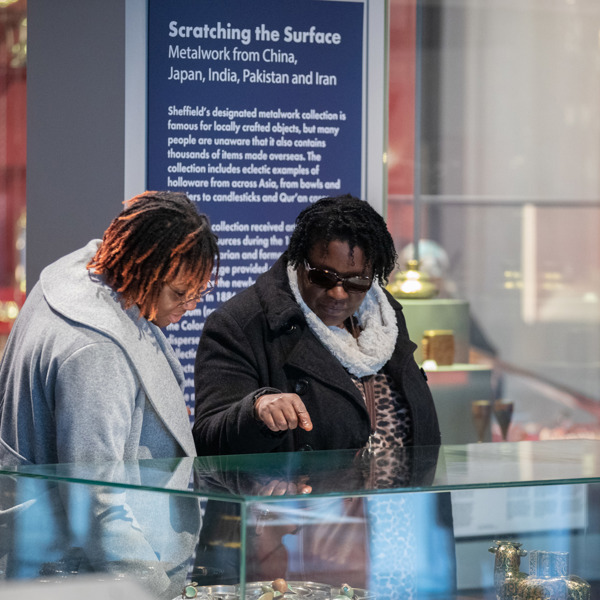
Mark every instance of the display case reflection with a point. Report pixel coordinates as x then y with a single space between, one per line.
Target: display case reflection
53 530
316 538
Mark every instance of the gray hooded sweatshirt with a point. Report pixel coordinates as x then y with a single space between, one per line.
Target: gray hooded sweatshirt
83 380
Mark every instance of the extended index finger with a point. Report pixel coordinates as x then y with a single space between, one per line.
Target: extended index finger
303 416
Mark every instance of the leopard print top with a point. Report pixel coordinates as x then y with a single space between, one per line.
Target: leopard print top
392 413
391 517
390 467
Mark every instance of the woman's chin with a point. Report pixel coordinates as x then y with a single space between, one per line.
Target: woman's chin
165 321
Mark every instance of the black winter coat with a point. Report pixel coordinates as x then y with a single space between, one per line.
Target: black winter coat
259 342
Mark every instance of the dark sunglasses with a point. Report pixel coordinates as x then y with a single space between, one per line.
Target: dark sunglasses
329 279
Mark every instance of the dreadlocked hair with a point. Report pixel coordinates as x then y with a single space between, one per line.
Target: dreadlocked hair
347 219
155 236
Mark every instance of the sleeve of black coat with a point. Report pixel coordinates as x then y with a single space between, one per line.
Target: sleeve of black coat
226 382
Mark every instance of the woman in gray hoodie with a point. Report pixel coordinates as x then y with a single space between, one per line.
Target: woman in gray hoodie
88 377
87 374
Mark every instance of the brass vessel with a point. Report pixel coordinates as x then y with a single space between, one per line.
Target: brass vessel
548 577
412 283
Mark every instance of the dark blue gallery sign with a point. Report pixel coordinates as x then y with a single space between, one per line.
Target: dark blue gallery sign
255 110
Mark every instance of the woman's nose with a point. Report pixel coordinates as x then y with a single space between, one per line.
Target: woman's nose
190 304
337 291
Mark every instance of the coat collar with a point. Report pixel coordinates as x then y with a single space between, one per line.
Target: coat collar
276 298
72 291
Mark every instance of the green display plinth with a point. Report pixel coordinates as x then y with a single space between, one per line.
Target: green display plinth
422 315
454 387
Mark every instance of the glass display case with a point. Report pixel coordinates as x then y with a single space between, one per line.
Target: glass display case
405 523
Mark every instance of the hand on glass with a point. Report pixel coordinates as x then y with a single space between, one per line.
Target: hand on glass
280 412
281 487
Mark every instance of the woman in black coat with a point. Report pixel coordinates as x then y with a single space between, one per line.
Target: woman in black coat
316 354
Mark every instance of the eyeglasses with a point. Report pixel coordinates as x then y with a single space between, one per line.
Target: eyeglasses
181 295
329 279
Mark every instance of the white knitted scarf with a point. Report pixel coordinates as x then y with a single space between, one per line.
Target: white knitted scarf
374 346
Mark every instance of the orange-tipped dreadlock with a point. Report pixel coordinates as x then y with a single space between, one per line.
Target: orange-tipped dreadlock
157 235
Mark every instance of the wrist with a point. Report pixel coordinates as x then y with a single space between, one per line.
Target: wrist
257 397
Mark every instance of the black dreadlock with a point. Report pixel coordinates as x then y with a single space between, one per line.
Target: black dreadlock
347 219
